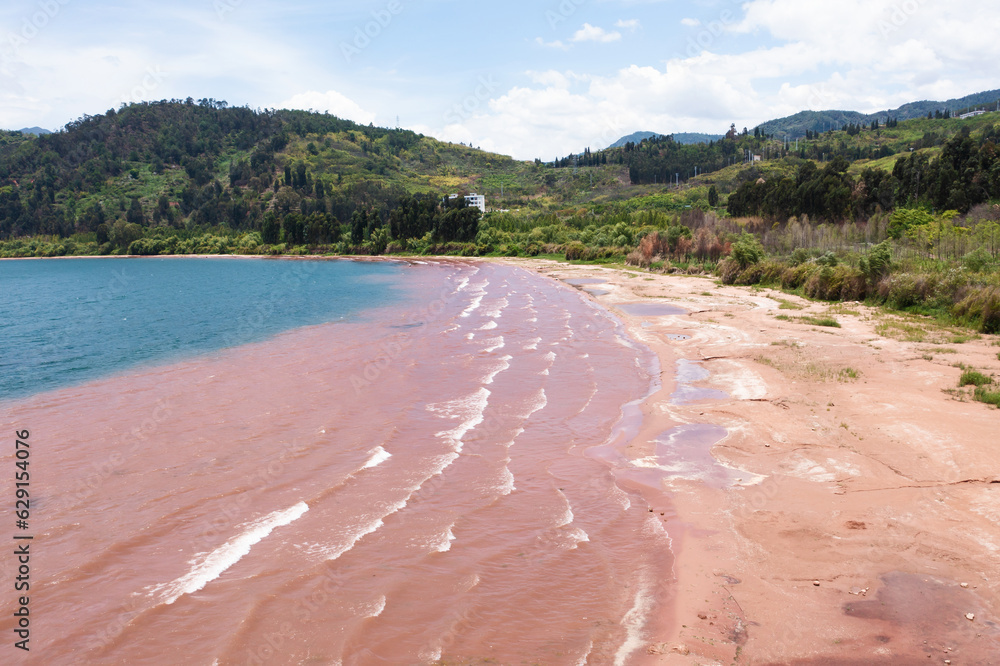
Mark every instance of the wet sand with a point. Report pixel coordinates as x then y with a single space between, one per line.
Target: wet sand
834 503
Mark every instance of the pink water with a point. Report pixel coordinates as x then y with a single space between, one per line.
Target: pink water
411 488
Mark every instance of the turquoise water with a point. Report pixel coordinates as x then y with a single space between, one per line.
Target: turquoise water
63 322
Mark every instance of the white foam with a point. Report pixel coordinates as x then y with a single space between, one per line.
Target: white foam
477 301
462 285
567 517
578 536
586 655
621 497
379 456
506 481
538 403
495 344
532 345
634 622
445 542
376 608
470 336
469 409
497 311
503 366
372 526
489 326
228 554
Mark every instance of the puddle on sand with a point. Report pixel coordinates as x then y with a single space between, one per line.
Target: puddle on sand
650 309
597 292
689 372
685 452
913 610
676 337
580 282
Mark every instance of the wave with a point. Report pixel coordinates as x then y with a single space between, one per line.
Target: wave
376 608
470 409
497 343
489 326
538 403
444 544
506 486
497 311
379 456
634 622
532 344
502 367
226 555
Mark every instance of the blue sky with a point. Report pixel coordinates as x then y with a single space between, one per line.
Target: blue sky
530 79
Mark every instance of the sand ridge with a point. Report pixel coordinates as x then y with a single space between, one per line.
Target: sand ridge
861 523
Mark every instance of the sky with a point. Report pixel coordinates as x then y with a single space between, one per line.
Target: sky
527 79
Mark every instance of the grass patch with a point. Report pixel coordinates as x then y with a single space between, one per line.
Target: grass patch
783 318
788 305
974 378
940 350
848 374
900 330
821 321
706 293
988 397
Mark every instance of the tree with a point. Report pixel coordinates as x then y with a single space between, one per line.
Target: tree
713 196
135 214
270 230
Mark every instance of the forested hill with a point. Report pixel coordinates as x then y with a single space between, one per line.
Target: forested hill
204 164
798 125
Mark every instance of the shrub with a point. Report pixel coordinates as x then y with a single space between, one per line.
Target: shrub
747 250
877 262
800 256
974 378
978 261
729 270
575 251
982 306
796 276
843 283
989 397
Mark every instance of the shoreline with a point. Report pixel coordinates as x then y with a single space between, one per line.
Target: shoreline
859 525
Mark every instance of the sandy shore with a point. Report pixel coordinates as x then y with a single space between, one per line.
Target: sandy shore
852 513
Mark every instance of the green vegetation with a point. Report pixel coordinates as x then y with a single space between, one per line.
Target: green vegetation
902 214
974 378
985 389
821 321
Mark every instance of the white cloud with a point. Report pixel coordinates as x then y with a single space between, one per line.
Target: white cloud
690 22
557 44
331 101
630 24
590 33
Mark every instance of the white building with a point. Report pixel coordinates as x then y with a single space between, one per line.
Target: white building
474 200
973 114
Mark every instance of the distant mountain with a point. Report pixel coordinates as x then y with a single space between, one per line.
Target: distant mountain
686 138
822 121
635 137
37 131
691 138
